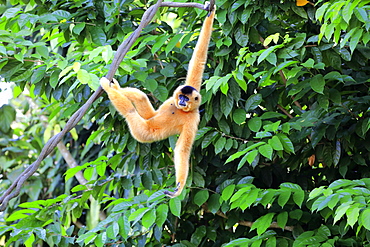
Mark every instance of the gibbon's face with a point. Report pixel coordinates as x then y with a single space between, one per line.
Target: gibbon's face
187 98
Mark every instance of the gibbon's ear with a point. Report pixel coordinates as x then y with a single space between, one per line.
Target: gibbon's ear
187 98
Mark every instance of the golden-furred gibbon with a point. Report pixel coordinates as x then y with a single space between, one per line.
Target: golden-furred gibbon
178 115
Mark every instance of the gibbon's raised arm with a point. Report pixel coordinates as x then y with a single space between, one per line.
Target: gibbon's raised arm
178 115
199 59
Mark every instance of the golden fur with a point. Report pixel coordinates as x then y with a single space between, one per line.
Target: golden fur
177 115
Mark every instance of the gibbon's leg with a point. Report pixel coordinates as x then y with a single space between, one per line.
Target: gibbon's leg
181 158
140 128
140 100
199 57
134 95
120 101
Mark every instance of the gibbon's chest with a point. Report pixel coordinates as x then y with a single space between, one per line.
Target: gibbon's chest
171 114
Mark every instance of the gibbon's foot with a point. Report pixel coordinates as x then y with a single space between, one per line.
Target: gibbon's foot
174 193
209 6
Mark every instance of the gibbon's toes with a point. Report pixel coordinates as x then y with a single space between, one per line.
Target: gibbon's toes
169 193
174 193
209 6
206 6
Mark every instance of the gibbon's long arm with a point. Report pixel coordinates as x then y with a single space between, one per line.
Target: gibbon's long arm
178 115
199 59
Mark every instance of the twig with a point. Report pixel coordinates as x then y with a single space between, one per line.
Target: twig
71 162
285 111
247 223
15 188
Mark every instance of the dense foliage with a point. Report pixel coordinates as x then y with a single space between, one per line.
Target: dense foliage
281 156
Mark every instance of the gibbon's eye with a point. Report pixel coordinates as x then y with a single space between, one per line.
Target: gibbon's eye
196 98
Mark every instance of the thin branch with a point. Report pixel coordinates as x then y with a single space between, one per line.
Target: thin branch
71 162
285 111
122 50
247 223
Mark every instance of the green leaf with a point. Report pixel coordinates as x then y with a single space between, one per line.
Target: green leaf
168 71
240 153
100 168
365 218
43 51
83 76
201 197
161 93
317 83
284 65
252 102
227 192
284 197
239 116
276 143
266 150
173 42
242 162
88 173
124 226
321 11
249 198
161 214
282 219
88 237
198 235
112 230
267 52
255 124
149 218
353 215
97 35
159 43
138 214
263 223
77 29
347 12
175 206
287 143
214 203
150 84
341 210
355 38
220 145
361 15
209 138
7 114
251 156
298 197
38 74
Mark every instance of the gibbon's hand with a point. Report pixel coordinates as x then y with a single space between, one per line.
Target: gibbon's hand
106 84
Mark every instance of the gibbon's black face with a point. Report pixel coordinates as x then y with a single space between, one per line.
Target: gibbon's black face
187 98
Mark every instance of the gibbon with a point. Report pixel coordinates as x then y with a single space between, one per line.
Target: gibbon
177 115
